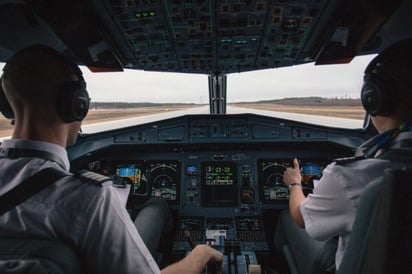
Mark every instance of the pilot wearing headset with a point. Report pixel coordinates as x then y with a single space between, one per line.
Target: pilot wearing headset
330 211
45 93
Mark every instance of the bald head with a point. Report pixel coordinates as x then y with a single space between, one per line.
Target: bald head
32 81
47 95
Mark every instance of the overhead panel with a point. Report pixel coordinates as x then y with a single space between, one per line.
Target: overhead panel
215 36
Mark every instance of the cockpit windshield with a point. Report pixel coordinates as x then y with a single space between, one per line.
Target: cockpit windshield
325 95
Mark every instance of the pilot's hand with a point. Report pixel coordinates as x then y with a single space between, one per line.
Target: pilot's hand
215 262
196 261
292 175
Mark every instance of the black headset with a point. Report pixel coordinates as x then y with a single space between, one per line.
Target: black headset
380 92
73 99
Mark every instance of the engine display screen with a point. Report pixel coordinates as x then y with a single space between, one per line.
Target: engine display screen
134 173
219 184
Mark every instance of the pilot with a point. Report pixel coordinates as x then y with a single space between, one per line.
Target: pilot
330 211
45 93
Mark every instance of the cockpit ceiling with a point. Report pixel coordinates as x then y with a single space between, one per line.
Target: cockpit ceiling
200 36
216 36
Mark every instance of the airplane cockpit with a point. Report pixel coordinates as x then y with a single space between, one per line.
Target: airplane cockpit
220 172
222 176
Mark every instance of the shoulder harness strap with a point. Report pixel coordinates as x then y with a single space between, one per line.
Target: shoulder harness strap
29 187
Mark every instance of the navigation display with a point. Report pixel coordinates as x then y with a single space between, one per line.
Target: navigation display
165 179
219 184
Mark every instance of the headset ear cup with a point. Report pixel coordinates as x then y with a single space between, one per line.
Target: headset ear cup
376 97
73 102
5 107
371 98
81 105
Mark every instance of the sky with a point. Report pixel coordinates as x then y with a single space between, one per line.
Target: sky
342 81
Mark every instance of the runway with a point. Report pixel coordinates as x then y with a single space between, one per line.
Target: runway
311 119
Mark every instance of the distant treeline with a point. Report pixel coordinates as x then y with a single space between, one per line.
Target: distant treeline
117 105
310 101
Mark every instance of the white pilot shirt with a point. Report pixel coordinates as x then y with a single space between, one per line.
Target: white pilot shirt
326 212
91 218
331 209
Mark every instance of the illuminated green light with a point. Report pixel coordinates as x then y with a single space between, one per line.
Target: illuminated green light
241 42
147 13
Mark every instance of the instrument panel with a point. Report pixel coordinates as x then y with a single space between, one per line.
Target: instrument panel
210 181
214 165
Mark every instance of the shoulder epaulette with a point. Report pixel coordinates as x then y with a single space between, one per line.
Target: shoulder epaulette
94 178
346 160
